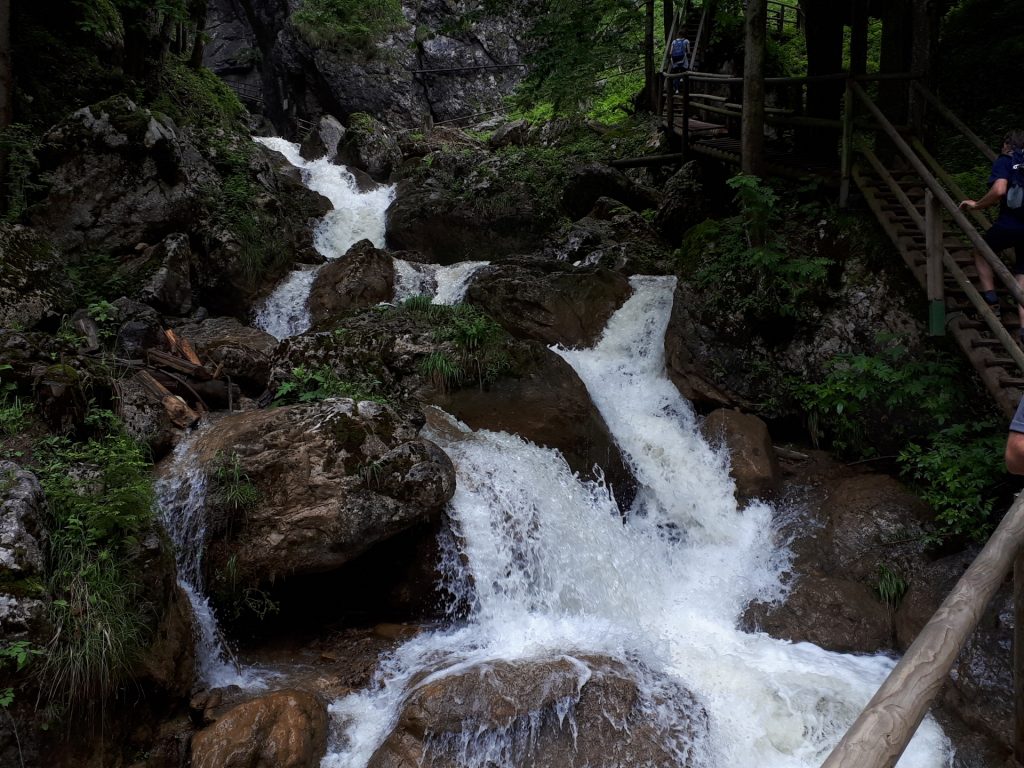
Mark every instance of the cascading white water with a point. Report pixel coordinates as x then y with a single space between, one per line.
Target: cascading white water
555 570
356 216
181 499
446 285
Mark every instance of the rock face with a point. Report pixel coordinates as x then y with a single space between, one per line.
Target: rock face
284 729
555 712
256 44
334 478
33 284
752 458
549 301
363 277
169 290
684 203
121 175
22 538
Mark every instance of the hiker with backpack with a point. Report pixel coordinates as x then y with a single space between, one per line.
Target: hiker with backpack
679 55
1007 190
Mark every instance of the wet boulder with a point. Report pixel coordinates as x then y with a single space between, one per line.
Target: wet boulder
753 464
329 481
240 351
364 276
284 729
684 203
368 145
550 302
590 182
324 141
563 711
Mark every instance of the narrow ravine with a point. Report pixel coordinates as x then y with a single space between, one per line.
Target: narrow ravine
357 215
556 571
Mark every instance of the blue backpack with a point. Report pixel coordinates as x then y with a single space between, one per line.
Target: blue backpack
1015 192
680 50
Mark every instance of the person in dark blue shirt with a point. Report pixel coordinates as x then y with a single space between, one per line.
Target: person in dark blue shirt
1015 442
1008 229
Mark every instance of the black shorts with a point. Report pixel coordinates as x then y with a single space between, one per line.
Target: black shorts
999 238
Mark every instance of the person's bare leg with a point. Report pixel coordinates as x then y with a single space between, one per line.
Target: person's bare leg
986 279
1020 309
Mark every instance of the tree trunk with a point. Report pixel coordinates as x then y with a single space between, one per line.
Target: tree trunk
667 12
6 90
895 57
649 84
824 33
859 38
196 59
752 131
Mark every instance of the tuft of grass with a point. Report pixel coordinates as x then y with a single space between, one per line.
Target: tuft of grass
347 25
441 370
308 385
232 488
890 587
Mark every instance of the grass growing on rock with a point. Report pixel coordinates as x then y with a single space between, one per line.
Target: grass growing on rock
347 25
100 503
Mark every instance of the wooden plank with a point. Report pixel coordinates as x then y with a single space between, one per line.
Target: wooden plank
882 731
181 345
164 360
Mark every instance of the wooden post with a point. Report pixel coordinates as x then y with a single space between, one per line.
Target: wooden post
859 37
1018 657
752 126
686 113
670 106
933 265
846 158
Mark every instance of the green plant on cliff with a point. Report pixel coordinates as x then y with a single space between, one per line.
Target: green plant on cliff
100 502
347 25
743 265
232 489
19 143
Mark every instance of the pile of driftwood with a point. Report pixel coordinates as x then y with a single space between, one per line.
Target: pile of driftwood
180 381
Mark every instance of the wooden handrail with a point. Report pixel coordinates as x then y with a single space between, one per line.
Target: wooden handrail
957 123
941 195
883 730
943 175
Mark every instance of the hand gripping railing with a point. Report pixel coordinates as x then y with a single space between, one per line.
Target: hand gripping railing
880 735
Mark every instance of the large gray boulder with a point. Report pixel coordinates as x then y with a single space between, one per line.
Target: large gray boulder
22 542
369 146
363 277
562 711
33 282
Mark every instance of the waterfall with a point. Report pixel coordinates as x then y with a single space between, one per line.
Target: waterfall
356 216
447 285
555 570
181 501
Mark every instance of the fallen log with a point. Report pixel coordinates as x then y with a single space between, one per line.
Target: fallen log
176 408
160 359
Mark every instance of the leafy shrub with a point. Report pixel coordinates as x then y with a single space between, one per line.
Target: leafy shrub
13 412
956 470
232 489
743 265
870 401
347 24
307 385
100 501
19 143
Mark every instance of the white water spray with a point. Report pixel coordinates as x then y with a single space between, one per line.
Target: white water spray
356 216
556 571
446 285
181 500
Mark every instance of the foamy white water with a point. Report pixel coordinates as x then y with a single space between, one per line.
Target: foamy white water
181 500
556 571
356 216
446 285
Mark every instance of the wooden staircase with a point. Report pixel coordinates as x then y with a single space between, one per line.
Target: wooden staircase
897 196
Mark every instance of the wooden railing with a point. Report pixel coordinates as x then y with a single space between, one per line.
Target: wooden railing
887 724
783 17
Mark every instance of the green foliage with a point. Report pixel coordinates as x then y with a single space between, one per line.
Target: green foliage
98 277
347 25
17 654
196 97
19 142
744 265
306 385
100 501
868 401
956 470
14 413
890 587
476 344
232 489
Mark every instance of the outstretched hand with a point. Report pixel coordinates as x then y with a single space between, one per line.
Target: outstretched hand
968 204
